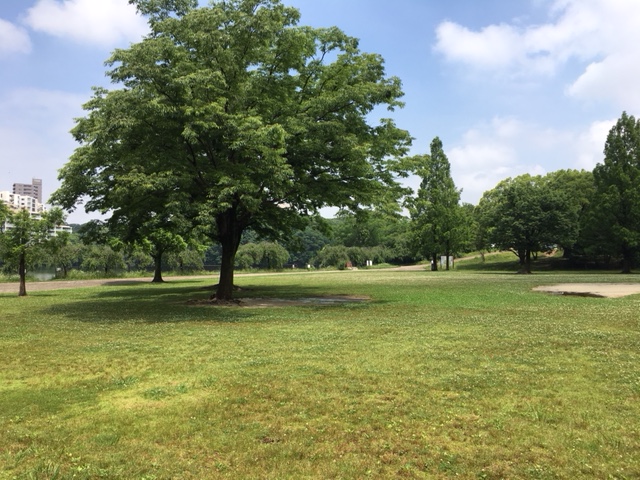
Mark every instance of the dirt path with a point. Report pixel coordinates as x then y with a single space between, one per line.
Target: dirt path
63 284
610 290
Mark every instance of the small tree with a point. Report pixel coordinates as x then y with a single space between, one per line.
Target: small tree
63 251
190 258
274 255
23 238
269 255
435 212
102 258
332 256
249 255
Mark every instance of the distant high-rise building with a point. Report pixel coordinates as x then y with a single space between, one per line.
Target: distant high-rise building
34 189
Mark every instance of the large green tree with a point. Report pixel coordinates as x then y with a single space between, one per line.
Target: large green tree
435 211
245 119
527 215
615 212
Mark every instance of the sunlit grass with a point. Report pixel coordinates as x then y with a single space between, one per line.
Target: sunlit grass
440 374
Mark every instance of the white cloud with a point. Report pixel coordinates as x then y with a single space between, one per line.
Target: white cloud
495 46
613 80
589 146
99 22
13 39
508 147
487 154
603 35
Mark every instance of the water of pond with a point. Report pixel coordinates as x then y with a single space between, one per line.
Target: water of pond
43 275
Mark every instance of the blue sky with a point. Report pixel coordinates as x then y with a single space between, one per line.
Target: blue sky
510 87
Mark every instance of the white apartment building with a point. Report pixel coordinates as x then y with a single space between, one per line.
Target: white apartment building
22 202
32 205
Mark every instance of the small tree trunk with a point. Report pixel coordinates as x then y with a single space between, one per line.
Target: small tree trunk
447 255
157 268
22 272
627 260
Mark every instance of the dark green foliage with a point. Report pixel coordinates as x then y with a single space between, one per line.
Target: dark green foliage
527 215
615 214
102 258
63 251
435 212
305 244
578 188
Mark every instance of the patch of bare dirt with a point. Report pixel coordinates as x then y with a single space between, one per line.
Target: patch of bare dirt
602 290
260 302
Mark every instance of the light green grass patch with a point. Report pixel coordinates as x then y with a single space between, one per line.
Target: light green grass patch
440 374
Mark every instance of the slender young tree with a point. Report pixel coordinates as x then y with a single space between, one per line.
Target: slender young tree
23 237
248 120
435 212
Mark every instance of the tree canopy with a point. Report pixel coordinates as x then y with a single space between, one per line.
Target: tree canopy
24 238
435 211
240 118
616 206
527 215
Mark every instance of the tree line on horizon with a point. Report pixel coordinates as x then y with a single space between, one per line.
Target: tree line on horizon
593 217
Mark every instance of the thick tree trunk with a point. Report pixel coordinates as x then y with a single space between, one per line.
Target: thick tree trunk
22 272
525 266
230 233
157 268
224 291
524 256
434 262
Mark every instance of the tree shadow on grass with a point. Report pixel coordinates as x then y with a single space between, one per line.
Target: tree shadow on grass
143 303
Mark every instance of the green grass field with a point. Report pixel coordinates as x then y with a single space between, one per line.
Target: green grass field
439 375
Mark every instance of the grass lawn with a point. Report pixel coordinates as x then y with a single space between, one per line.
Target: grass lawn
440 375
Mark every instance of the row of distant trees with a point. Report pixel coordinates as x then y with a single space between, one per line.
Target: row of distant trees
591 216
